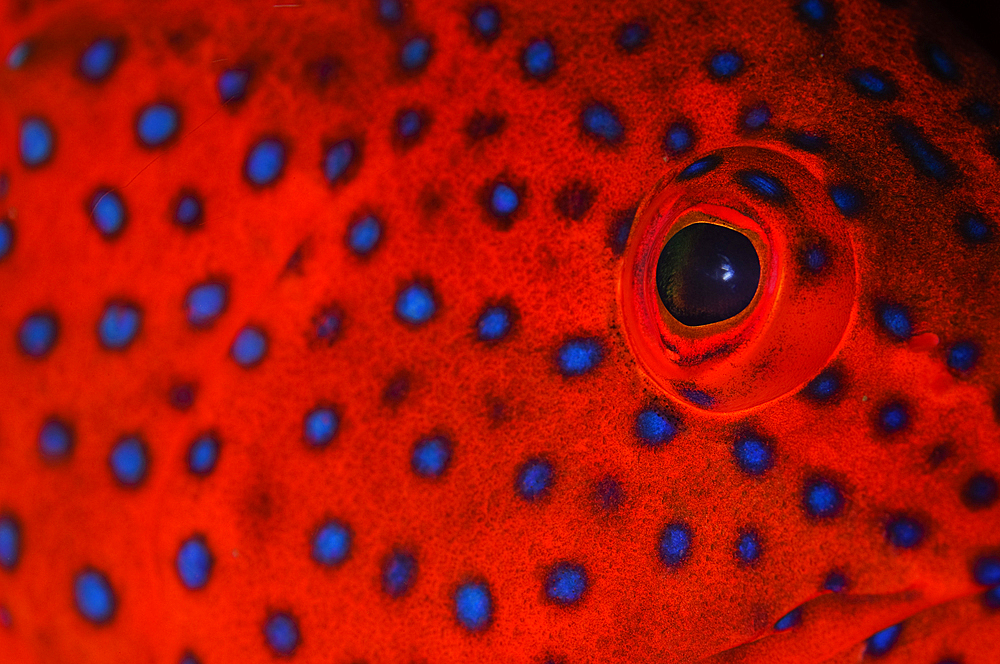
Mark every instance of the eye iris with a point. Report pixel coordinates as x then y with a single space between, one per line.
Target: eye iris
707 273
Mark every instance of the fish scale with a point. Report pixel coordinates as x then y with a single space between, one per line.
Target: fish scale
633 451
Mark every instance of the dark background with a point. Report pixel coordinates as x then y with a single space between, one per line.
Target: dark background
981 20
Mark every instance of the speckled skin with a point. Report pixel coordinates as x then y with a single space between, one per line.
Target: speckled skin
322 72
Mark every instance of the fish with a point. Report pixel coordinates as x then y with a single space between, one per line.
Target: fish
645 331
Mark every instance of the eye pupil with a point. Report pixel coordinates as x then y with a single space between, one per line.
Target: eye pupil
707 273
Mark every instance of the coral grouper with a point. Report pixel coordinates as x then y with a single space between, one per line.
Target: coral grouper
561 332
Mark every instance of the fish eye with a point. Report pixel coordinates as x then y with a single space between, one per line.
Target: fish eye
722 297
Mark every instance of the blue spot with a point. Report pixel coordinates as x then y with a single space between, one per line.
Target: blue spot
980 491
893 417
632 36
991 598
835 582
748 547
503 200
397 573
980 111
189 658
986 571
566 583
331 544
328 323
904 532
700 167
408 124
38 334
725 64
94 598
194 563
895 320
941 63
601 122
815 259
975 229
337 160
203 454
6 238
188 211
790 620
698 397
265 162
107 212
415 53
654 428
390 11
204 303
926 158
37 142
822 499
882 642
157 124
282 633
621 227
809 141
18 56
473 606
363 235
534 478
872 82
847 199
485 22
431 456
816 12
675 544
10 542
678 139
99 59
320 426
232 85
494 323
539 59
579 356
129 461
55 440
753 456
415 304
118 325
762 184
962 356
249 347
757 117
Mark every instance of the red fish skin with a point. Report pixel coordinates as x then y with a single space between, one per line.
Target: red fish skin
500 403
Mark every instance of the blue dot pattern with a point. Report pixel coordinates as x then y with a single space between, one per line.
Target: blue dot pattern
539 59
6 238
188 211
37 142
37 334
320 426
194 563
974 229
566 583
503 200
825 386
473 606
678 139
364 234
822 499
390 11
203 454
331 544
895 320
757 117
700 167
415 304
93 596
986 571
265 162
835 582
962 356
926 158
762 184
249 347
791 619
980 491
129 461
232 85
18 56
533 479
281 632
118 326
98 59
941 63
431 457
415 53
55 440
633 36
408 124
579 356
654 428
814 12
337 160
753 455
872 83
107 212
748 547
485 22
10 542
601 122
157 124
880 643
205 302
847 199
815 259
494 323
904 532
725 64
398 573
675 544
893 417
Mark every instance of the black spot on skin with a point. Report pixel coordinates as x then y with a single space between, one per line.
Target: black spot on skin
980 491
575 200
321 72
397 389
327 325
608 494
619 229
497 410
184 39
294 263
996 407
482 126
182 396
939 454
